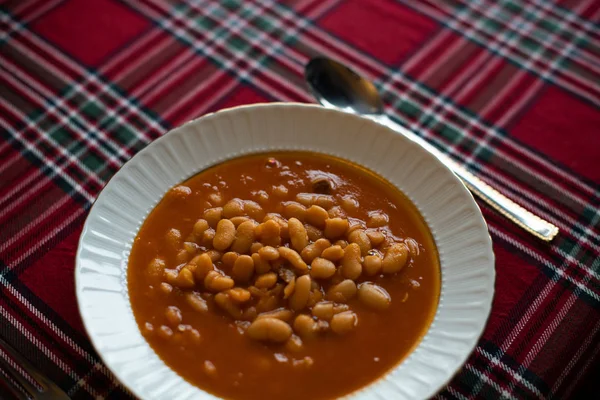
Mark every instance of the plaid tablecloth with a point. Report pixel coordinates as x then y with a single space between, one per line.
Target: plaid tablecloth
510 89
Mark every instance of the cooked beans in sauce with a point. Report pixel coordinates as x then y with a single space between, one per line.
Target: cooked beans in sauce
289 275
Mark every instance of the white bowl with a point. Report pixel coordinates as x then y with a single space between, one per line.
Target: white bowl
460 233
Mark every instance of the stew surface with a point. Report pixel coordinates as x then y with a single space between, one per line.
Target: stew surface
288 275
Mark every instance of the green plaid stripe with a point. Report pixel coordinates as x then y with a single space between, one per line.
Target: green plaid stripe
450 130
554 269
447 130
252 43
425 93
451 123
236 42
535 31
531 51
90 121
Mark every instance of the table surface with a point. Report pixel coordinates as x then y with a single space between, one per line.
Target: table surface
509 89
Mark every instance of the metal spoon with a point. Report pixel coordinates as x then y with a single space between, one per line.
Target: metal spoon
336 86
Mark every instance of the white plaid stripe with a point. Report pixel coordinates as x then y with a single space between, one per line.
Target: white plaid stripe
36 222
22 189
125 55
204 48
454 393
346 51
256 40
289 57
399 78
586 236
7 379
558 273
520 25
517 162
45 321
531 311
82 382
450 108
80 88
235 26
188 59
216 39
537 346
482 36
547 333
578 22
558 319
42 242
203 108
22 5
18 369
260 39
516 374
65 338
536 201
70 158
517 24
152 86
547 74
436 110
58 170
41 217
484 379
85 385
65 114
566 223
583 349
44 349
74 389
123 103
463 82
592 358
588 271
535 305
517 377
591 60
168 71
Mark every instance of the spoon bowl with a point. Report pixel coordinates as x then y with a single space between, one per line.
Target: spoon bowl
335 85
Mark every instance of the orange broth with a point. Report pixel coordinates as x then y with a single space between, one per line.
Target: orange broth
248 369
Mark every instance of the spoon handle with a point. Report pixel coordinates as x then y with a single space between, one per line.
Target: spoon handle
502 204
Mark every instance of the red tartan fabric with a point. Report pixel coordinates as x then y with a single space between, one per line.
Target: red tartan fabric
510 89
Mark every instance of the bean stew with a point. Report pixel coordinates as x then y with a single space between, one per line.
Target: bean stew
289 275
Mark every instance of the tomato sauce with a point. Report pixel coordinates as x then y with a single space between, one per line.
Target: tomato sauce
218 357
